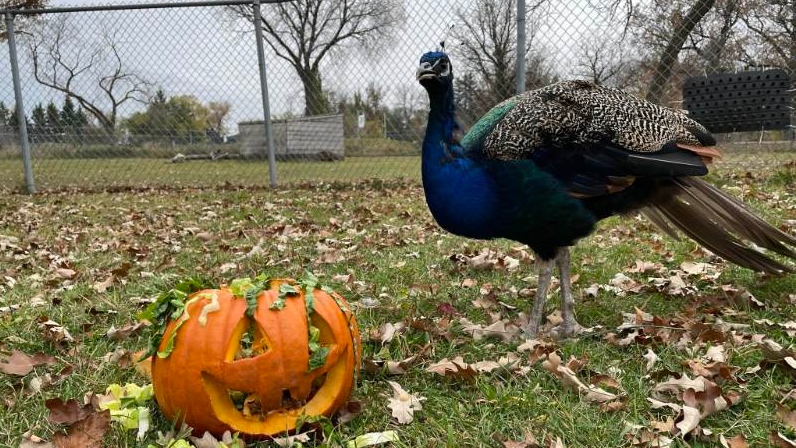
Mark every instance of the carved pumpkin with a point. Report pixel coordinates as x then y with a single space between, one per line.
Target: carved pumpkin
257 363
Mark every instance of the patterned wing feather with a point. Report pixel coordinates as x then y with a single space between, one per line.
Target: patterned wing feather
583 114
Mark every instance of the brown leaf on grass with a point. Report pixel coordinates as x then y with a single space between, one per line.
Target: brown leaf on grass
694 399
143 365
644 438
641 267
55 332
66 273
651 358
778 440
738 441
87 432
786 416
498 329
20 364
123 270
227 440
400 367
30 440
528 441
120 334
103 286
349 411
387 332
569 380
403 404
776 355
455 368
66 412
537 349
742 297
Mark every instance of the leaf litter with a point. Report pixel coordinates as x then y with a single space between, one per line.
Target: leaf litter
698 342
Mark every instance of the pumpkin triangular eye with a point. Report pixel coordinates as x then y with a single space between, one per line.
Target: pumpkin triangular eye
253 341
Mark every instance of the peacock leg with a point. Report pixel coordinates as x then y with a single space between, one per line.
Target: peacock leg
545 270
569 325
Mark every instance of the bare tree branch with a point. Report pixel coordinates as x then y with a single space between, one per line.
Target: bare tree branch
61 63
305 32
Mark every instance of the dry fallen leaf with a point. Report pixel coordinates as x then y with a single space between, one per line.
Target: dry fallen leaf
66 412
569 380
455 368
786 416
779 440
21 364
403 404
528 441
103 286
228 441
30 440
120 334
738 441
87 432
651 358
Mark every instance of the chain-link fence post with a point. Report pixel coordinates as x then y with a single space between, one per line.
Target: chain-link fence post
30 186
520 82
269 137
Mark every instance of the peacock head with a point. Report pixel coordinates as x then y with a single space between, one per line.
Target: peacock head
435 70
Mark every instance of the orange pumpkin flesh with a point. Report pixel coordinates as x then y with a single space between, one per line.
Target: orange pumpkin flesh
201 382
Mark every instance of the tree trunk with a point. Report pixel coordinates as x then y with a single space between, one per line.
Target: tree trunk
663 70
315 102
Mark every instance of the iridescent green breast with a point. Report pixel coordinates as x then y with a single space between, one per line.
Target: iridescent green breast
481 129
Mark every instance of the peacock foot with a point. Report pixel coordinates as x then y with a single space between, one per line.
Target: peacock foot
566 330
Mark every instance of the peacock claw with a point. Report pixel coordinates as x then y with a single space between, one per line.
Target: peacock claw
562 331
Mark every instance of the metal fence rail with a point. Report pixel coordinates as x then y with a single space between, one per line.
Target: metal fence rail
184 93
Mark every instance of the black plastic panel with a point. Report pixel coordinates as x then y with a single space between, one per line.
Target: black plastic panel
743 101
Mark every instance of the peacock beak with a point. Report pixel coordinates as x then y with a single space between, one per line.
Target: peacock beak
424 73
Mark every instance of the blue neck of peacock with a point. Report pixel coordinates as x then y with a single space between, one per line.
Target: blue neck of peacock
441 121
458 190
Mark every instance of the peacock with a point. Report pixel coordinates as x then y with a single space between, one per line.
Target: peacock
543 167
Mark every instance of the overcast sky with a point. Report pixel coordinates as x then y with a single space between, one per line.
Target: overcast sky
198 51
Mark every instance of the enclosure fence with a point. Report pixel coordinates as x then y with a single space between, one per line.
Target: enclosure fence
275 92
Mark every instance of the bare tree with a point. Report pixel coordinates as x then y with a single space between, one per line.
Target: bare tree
715 40
91 73
486 41
20 20
604 61
304 32
681 28
773 23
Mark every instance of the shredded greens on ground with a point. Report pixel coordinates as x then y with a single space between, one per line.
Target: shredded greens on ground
169 305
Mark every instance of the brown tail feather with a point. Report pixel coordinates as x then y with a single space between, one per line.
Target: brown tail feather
721 223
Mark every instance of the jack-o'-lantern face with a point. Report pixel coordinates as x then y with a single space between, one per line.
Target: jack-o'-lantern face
257 371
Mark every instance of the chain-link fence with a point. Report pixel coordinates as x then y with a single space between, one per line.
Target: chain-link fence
172 94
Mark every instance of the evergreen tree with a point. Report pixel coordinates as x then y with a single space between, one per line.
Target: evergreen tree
53 118
4 114
39 118
68 114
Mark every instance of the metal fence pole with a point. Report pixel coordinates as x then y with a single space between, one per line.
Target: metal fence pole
269 136
520 86
20 107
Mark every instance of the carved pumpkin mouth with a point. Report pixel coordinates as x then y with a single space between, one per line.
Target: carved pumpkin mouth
249 341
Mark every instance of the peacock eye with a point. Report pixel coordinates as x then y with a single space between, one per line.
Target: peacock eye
425 65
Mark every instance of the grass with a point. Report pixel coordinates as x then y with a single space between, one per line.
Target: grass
380 233
98 174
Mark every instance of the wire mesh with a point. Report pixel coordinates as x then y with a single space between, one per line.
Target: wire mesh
171 96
